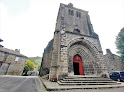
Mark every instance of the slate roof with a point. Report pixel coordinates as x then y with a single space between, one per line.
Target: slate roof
5 50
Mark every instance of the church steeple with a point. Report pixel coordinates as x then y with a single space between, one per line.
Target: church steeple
74 20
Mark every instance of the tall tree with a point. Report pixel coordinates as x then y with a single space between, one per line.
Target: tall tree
120 43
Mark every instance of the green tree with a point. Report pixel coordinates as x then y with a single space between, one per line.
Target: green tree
120 43
29 66
36 60
39 67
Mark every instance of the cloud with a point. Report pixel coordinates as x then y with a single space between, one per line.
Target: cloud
3 19
29 25
16 7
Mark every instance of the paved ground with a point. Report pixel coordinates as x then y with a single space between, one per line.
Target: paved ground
20 84
96 90
33 84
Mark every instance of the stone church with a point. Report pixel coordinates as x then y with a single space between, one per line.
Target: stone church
75 48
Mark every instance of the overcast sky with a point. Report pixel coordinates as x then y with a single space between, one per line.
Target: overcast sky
29 25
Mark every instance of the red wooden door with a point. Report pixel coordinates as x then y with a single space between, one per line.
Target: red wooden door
77 59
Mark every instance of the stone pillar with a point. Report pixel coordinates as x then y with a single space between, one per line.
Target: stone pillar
62 70
53 76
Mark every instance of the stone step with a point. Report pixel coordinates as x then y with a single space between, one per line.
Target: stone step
87 79
75 77
61 86
60 83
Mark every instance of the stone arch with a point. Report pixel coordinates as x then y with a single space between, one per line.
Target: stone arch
86 42
85 56
87 51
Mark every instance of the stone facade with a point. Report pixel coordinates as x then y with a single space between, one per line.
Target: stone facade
113 62
11 62
74 35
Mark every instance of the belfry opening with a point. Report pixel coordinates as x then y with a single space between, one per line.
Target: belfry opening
77 65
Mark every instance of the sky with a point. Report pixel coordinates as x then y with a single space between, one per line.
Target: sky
29 25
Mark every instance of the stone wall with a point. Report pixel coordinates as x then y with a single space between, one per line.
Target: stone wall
16 68
113 62
88 48
46 59
55 56
72 21
46 63
9 64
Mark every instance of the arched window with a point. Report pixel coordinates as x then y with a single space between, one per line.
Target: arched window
77 31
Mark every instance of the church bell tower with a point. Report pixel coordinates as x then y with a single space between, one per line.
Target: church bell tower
75 48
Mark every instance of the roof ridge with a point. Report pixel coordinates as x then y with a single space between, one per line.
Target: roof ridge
3 49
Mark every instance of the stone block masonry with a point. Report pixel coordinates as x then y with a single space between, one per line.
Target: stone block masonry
11 62
75 48
113 62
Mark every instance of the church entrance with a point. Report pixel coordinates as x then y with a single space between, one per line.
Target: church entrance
77 65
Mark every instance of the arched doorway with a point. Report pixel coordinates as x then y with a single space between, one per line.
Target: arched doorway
77 65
